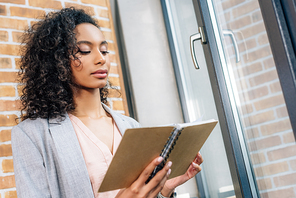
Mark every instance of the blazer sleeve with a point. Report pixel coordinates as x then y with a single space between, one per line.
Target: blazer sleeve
29 168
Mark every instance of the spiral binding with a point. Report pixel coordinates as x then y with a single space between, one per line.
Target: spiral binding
166 151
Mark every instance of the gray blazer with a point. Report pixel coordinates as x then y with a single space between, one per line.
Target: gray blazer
48 161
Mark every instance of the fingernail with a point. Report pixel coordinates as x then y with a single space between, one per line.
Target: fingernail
169 172
169 164
194 164
159 159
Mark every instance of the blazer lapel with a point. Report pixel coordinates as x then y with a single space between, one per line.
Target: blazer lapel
73 171
120 123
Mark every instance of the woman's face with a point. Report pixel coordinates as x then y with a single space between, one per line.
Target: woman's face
92 68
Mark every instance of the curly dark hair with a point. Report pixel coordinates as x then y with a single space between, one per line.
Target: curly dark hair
45 65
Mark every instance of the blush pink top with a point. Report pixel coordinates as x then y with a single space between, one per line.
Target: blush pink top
96 154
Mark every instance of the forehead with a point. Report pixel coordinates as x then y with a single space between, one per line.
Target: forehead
89 32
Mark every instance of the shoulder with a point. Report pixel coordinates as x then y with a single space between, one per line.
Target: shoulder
31 125
118 117
129 120
28 131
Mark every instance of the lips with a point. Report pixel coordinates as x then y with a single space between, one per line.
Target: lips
100 73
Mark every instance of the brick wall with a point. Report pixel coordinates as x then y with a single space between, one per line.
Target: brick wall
15 16
263 112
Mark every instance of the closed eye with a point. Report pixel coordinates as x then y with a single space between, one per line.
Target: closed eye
105 52
84 52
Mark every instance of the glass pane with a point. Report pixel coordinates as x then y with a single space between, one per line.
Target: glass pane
199 101
258 98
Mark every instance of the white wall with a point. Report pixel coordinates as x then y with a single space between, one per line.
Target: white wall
151 71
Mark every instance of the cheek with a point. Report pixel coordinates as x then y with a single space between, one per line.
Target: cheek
75 64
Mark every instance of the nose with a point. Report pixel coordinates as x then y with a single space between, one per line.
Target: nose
100 59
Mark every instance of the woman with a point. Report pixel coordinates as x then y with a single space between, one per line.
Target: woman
68 135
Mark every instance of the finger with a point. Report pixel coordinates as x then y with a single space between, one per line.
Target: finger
198 159
160 186
157 182
148 170
197 167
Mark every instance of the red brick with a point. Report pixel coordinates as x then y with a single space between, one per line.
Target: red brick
240 23
267 142
275 87
257 93
103 13
10 194
279 193
269 102
288 137
244 9
258 54
3 36
7 90
7 166
285 180
14 1
16 37
264 184
103 23
5 135
252 133
5 151
259 118
242 85
257 158
118 106
293 164
253 30
26 12
95 2
269 63
112 58
111 46
3 10
263 78
256 16
247 108
275 127
13 23
89 9
247 45
7 182
10 49
17 63
5 63
8 120
20 89
282 153
46 4
272 169
114 81
263 39
108 35
231 3
114 70
8 77
10 105
114 93
282 112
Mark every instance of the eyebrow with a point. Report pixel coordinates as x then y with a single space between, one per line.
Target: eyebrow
89 43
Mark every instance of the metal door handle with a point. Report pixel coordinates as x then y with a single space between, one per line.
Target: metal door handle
231 34
194 37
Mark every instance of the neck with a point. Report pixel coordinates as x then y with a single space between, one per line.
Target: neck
88 103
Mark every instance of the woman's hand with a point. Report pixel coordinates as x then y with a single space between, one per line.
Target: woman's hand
193 169
150 190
